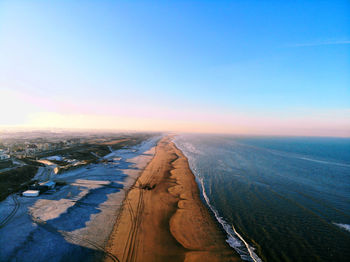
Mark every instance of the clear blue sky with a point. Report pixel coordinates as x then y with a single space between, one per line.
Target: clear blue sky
185 65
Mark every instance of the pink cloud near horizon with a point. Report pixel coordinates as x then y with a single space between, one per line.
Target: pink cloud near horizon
44 112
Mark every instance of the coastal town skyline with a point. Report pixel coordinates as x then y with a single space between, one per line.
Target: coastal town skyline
235 67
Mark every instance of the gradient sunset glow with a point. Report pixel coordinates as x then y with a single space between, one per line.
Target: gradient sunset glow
241 67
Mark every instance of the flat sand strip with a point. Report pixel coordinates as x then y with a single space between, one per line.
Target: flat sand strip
163 217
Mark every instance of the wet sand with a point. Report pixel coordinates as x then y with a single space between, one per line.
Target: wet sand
163 217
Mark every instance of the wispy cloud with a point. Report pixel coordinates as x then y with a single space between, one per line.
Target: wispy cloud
321 43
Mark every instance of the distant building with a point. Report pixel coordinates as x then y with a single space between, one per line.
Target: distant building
31 149
19 154
31 193
43 146
3 155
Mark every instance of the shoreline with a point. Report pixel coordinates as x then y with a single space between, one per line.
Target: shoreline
163 217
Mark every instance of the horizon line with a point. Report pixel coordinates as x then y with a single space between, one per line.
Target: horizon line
114 130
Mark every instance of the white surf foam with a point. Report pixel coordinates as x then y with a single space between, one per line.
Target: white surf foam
323 162
343 226
306 158
235 240
297 156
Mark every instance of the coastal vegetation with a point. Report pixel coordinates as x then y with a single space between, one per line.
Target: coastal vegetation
16 179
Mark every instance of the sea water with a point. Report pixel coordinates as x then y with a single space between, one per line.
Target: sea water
277 198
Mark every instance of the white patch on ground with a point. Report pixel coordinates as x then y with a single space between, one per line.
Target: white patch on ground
57 158
46 173
45 209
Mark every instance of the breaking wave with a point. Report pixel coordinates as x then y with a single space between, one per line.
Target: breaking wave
343 226
235 240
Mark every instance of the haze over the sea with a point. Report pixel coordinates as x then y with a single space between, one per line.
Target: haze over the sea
247 67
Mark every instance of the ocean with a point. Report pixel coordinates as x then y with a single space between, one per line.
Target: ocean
277 198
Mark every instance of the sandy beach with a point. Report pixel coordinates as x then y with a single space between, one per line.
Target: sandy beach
163 217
